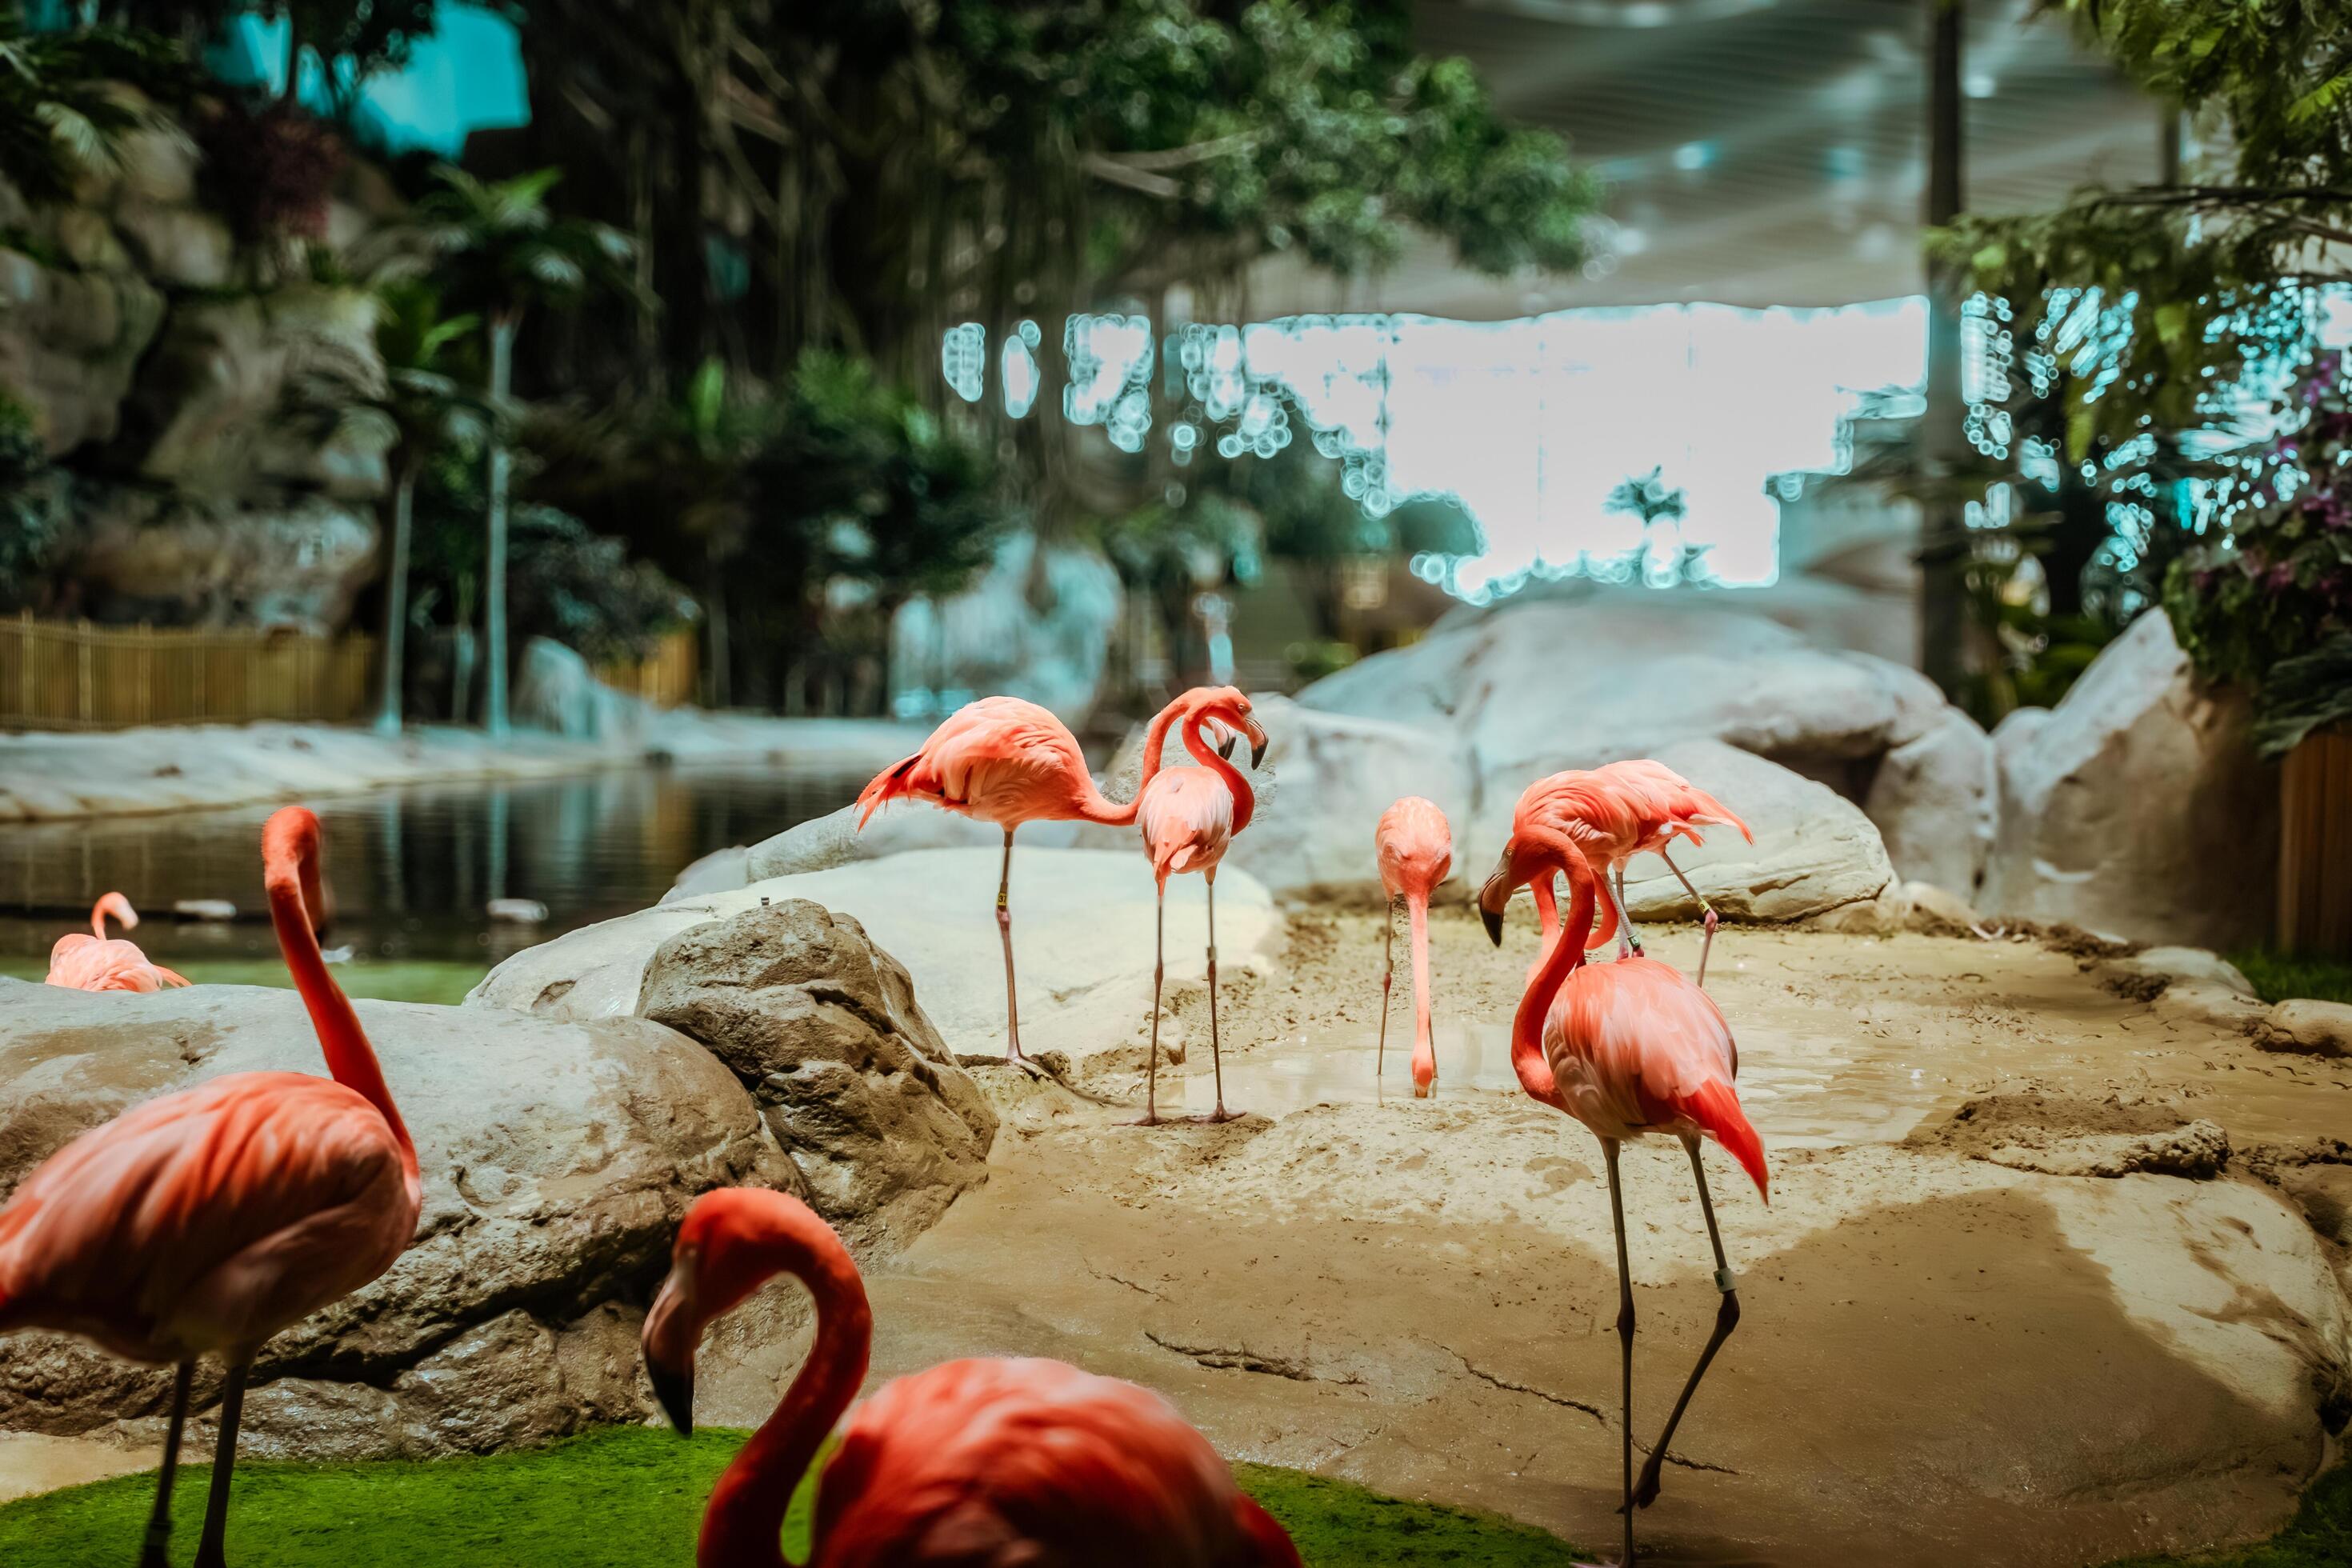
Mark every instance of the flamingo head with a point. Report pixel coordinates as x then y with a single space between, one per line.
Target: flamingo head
1531 851
730 1242
1226 707
1494 893
290 859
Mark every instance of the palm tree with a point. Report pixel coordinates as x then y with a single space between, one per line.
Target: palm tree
498 250
63 108
422 404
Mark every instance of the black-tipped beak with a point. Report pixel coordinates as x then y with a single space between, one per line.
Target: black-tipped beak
1493 920
1226 749
1259 741
676 1392
1494 897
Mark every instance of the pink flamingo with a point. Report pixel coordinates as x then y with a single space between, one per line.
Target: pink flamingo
1189 815
95 963
972 1462
1613 813
1007 762
1628 1048
1416 852
205 1221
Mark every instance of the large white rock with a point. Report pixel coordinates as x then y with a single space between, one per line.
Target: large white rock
1082 934
1934 800
2136 805
556 690
1816 857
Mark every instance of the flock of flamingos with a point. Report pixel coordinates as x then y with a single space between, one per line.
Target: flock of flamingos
205 1221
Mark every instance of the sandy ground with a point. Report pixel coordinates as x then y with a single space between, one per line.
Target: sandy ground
1941 1359
51 776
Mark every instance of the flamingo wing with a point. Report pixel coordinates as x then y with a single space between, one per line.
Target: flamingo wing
1635 1046
1669 803
80 962
208 1219
1415 845
1187 818
992 1463
999 758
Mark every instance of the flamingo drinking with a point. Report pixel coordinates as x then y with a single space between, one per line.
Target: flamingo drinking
1628 1048
205 1221
971 1463
1189 815
1416 852
1613 813
1008 762
96 962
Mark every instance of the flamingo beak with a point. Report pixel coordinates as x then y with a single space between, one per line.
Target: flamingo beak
1495 896
1258 741
1225 747
676 1392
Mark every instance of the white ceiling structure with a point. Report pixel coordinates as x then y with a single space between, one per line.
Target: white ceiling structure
1758 152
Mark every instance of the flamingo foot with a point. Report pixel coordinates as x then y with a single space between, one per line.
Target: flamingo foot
1645 1490
1146 1121
1216 1118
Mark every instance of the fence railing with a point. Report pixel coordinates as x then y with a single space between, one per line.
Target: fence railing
83 676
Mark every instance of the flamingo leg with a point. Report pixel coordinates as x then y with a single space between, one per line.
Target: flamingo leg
1159 969
1707 943
1387 979
1626 934
1609 1147
209 1551
1727 1318
153 1554
1217 1063
1012 1056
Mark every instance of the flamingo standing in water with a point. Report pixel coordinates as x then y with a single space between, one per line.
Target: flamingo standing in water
1628 1048
1007 762
1189 815
971 1463
96 962
1613 813
1416 852
205 1221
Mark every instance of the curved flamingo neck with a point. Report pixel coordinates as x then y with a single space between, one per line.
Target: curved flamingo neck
744 1523
1236 781
1559 959
1095 806
351 1060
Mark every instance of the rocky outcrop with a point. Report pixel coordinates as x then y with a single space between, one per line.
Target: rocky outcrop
145 554
557 1158
1933 801
1031 627
822 1028
2137 806
2308 1027
1082 930
557 691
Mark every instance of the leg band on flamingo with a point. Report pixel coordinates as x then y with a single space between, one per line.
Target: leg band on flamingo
1706 943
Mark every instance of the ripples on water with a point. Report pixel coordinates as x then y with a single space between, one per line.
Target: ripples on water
409 870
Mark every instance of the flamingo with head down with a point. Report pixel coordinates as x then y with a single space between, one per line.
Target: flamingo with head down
1415 848
203 1221
1628 1048
972 1464
1189 816
97 962
1007 762
1613 813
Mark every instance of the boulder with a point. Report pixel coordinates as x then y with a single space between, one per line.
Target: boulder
557 691
1082 934
70 343
1031 626
2308 1027
1933 801
1816 857
2137 806
557 1158
142 554
822 1028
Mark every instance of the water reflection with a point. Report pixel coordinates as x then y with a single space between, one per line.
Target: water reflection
410 870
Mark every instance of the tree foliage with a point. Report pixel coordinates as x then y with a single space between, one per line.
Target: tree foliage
66 100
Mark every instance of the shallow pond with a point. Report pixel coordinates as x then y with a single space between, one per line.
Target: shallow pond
410 873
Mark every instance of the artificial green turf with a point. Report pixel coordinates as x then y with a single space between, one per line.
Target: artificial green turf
406 980
632 1496
627 1497
2277 977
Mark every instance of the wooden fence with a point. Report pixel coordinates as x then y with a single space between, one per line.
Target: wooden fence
666 677
81 677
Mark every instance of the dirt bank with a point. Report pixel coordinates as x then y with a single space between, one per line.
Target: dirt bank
1960 1343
